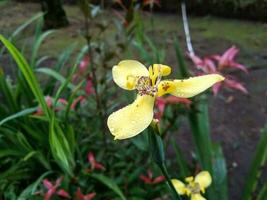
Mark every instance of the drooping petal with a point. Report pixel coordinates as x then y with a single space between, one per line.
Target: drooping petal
79 194
230 83
132 119
197 197
90 196
159 179
47 184
126 72
179 186
63 193
145 179
203 179
238 66
188 87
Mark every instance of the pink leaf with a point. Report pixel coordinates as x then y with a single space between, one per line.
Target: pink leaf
145 179
47 184
63 193
235 85
159 179
216 87
90 196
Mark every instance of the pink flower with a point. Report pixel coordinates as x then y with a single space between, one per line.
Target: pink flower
81 196
217 64
162 102
49 103
79 99
83 66
227 60
89 86
148 179
53 189
93 163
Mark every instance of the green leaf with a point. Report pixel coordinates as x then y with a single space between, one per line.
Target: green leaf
37 43
183 70
263 193
31 189
23 26
8 95
28 74
156 145
219 174
55 75
60 147
259 160
199 123
141 141
183 166
22 113
109 183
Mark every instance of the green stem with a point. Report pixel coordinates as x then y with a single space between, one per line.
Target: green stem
94 80
171 186
158 155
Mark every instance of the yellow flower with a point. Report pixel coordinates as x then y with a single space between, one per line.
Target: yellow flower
194 186
132 75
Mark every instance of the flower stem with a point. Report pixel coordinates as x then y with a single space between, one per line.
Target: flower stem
171 187
158 155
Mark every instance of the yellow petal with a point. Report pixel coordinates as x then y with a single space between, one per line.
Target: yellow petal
188 87
197 197
163 70
179 186
126 73
203 179
132 119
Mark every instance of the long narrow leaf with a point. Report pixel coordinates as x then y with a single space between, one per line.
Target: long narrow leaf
110 184
263 193
22 113
183 166
28 74
29 191
219 173
259 159
55 75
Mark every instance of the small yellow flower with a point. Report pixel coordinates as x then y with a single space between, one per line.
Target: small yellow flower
194 186
132 75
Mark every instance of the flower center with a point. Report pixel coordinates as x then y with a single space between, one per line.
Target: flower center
149 85
194 188
144 87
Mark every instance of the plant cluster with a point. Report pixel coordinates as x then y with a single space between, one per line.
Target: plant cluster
58 121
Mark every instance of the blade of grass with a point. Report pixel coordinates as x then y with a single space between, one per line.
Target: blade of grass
109 183
28 74
21 113
183 166
60 147
31 189
56 76
258 161
36 45
182 70
263 193
219 173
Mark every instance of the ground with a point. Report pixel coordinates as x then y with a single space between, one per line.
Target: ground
236 118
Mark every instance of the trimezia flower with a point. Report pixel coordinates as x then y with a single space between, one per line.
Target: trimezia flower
194 186
132 75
